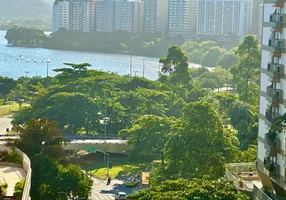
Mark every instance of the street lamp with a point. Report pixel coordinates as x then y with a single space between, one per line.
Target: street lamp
27 73
48 62
105 121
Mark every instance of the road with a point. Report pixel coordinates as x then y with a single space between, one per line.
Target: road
5 122
101 191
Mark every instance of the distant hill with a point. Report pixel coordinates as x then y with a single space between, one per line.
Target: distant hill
24 8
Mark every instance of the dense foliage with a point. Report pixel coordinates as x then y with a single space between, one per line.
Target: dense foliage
183 189
194 119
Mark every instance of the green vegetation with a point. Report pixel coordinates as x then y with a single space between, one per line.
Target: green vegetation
183 189
206 53
186 119
50 180
3 188
11 107
19 188
11 157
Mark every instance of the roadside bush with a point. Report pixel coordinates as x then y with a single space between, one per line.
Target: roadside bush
3 189
13 157
3 156
19 187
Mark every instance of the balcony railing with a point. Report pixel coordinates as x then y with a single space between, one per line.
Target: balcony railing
274 1
277 45
274 96
275 71
272 146
272 116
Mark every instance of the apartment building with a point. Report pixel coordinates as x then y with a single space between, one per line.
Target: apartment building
182 15
224 18
271 160
82 15
120 15
60 15
105 15
156 13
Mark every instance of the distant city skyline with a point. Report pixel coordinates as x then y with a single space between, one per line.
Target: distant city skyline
187 19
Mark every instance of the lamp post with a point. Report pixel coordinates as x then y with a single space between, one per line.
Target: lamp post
48 62
27 73
105 121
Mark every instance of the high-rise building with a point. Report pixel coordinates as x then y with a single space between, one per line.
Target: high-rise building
120 15
156 13
82 15
181 18
129 15
61 15
256 17
271 162
224 18
105 15
260 24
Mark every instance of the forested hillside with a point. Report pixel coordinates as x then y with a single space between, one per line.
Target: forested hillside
24 8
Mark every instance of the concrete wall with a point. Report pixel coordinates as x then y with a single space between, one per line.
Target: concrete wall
27 168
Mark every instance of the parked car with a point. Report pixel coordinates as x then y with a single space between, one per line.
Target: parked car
130 182
121 196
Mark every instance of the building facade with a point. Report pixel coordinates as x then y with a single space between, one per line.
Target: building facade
82 15
224 18
60 15
105 15
181 18
271 160
156 13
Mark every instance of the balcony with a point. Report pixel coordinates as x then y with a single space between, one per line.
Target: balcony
272 146
272 167
274 96
271 116
276 20
275 71
276 45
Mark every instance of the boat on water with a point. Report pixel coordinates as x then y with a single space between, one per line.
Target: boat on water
35 60
28 60
21 57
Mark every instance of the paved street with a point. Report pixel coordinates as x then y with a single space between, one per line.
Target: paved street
101 191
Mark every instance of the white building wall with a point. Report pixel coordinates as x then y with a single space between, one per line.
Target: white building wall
60 15
105 16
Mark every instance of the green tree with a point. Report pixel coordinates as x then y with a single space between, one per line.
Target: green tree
227 60
183 189
6 85
246 71
52 181
148 135
40 136
211 57
196 146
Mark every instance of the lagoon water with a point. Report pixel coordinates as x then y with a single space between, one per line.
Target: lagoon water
12 66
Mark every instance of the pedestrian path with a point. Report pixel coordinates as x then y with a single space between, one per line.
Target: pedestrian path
103 197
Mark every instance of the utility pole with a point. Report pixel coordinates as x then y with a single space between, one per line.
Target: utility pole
143 67
130 68
135 72
105 124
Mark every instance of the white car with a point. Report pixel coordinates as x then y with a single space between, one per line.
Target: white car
121 196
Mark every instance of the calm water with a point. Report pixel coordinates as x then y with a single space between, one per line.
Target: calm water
12 66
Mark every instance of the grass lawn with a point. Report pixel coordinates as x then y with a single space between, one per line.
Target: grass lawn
4 109
119 169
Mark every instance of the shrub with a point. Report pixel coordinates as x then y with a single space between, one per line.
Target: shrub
5 185
13 157
3 156
2 190
19 187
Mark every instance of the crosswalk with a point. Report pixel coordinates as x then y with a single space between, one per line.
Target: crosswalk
103 197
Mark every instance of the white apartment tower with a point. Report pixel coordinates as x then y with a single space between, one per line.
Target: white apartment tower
224 18
156 13
82 15
104 15
271 161
60 15
181 18
120 15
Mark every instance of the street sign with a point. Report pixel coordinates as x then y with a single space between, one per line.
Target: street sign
91 150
